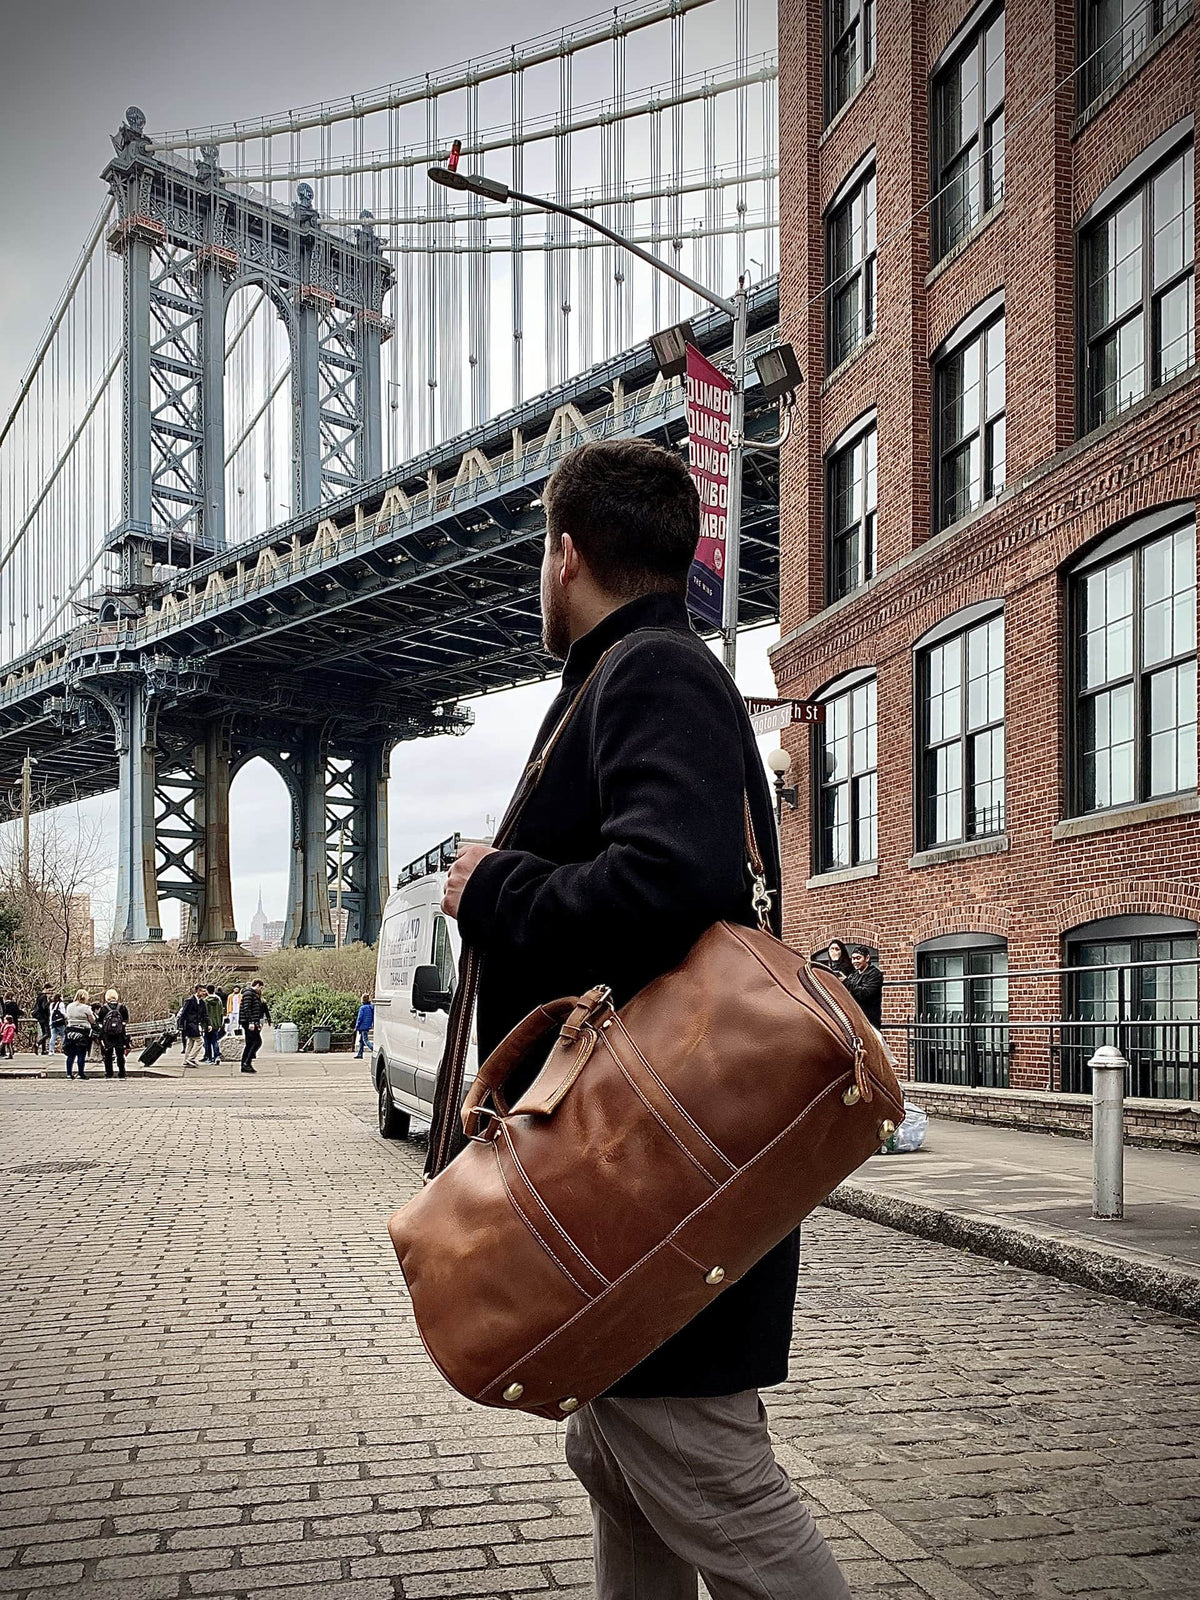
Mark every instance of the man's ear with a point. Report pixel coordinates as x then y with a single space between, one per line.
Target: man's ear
568 569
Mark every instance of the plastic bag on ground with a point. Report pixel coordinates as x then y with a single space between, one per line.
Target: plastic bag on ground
910 1135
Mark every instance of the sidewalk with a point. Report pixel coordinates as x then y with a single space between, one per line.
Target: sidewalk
300 1064
1026 1198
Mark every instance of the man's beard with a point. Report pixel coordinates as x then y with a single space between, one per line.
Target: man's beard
556 630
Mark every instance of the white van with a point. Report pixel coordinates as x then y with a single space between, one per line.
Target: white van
415 974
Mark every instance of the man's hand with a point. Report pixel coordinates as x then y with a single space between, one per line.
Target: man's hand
465 862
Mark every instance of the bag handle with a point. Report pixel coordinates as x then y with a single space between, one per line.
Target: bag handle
446 1135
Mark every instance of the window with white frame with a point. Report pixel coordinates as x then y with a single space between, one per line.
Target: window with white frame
1134 616
970 422
851 478
960 691
846 790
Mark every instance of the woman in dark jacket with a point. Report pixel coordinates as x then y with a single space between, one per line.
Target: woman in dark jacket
837 959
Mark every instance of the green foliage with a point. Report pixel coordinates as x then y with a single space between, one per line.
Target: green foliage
10 921
352 968
315 1005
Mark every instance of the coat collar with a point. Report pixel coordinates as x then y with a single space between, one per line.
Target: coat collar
648 611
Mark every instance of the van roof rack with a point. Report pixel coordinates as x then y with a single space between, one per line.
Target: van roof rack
439 859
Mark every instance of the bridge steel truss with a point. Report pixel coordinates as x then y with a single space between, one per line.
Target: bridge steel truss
188 244
321 645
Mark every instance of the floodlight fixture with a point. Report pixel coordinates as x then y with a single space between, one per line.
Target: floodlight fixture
778 372
670 349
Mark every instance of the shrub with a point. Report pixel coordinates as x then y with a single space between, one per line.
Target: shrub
315 1005
350 969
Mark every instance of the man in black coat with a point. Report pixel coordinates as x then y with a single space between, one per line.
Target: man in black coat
630 847
252 1013
865 983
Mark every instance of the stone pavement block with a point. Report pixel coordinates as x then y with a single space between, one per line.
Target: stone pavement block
882 1535
447 1539
138 1589
310 1575
492 1581
571 1574
529 1550
347 1589
938 1582
1107 1572
395 1566
235 1535
22 1578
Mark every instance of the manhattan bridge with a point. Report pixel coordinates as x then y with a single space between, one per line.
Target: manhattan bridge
271 484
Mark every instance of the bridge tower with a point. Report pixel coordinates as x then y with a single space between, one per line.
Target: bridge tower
188 242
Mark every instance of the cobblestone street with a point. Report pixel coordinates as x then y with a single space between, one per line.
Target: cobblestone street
211 1385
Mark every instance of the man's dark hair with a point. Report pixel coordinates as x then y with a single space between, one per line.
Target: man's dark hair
861 950
633 512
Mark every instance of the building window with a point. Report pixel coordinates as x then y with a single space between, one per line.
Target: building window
968 133
969 383
961 690
851 258
1135 672
846 788
960 1034
851 494
1138 271
849 47
1115 33
1131 981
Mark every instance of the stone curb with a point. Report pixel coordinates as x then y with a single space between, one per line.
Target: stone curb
1157 1288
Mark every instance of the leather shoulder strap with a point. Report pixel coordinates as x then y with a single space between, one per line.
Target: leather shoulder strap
446 1136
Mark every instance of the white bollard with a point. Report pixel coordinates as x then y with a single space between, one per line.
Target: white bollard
1108 1132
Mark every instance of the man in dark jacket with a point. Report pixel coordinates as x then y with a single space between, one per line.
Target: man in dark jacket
865 983
252 1014
630 847
41 1015
190 1022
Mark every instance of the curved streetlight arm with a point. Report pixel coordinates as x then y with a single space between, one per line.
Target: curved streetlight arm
493 189
727 306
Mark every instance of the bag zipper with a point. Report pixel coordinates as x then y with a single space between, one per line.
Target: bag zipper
823 997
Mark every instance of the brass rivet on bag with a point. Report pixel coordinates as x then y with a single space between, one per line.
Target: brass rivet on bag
851 1096
514 1392
607 1024
569 1404
715 1275
886 1129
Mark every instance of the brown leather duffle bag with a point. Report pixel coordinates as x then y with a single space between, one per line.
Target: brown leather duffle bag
662 1149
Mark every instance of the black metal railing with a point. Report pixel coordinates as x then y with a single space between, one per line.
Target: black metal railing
1157 1033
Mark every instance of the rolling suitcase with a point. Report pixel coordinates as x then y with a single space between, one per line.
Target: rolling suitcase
156 1048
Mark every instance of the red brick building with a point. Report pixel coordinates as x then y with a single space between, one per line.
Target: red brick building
988 565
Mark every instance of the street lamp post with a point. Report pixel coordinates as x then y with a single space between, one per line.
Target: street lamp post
736 309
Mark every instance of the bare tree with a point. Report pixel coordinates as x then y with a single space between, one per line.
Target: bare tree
47 904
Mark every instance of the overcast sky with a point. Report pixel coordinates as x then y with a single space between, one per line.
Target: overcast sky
68 69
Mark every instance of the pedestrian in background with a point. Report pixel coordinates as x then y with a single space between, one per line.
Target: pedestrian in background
865 983
112 1030
8 1037
839 961
81 1022
41 1015
214 1021
58 1023
363 1024
12 1009
254 1013
191 1022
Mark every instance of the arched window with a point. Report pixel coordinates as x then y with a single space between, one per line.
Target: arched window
1131 981
961 1032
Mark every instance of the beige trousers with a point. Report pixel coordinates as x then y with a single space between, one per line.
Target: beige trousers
681 1487
191 1049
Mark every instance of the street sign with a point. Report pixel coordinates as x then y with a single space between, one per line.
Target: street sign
766 716
709 405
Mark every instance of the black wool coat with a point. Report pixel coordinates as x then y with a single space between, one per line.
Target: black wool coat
632 845
867 988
